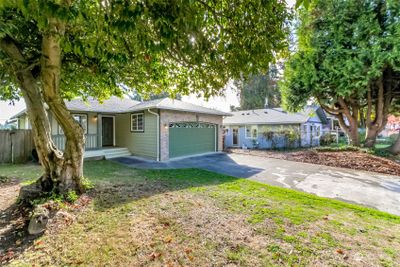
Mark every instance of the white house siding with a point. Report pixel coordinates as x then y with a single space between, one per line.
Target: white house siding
310 135
260 141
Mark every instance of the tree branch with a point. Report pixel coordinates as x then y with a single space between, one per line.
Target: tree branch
328 109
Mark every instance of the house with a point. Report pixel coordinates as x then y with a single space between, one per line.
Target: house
275 128
160 129
392 126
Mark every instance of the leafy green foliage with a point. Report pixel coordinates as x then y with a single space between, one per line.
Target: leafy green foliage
343 47
327 139
258 91
71 196
179 47
290 134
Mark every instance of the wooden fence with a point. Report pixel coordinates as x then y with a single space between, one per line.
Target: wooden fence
15 146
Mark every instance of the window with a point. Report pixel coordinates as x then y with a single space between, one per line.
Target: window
81 119
137 122
251 132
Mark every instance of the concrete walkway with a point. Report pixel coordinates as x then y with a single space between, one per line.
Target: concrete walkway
369 189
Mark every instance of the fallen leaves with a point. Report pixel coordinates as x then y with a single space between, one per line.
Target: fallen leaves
7 256
155 255
340 251
168 239
356 160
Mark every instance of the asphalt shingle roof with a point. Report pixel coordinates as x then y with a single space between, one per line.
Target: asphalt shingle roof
177 105
112 105
269 116
124 105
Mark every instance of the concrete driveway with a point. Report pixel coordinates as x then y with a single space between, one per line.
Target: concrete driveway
369 189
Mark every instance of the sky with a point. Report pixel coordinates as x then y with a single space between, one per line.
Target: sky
221 102
7 109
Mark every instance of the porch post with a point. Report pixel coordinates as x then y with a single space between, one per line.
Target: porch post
98 130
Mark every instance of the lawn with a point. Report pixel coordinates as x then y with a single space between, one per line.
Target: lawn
193 217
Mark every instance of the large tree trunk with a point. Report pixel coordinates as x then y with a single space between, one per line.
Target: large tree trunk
350 111
395 148
351 129
63 171
375 123
370 136
348 117
69 170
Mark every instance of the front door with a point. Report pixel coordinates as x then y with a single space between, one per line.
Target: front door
107 126
235 136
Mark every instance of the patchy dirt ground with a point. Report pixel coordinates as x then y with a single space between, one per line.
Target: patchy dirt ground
356 160
14 219
192 217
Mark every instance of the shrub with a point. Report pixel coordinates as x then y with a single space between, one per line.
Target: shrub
71 196
393 138
292 136
327 139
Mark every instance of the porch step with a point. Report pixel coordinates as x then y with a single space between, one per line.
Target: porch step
116 153
107 153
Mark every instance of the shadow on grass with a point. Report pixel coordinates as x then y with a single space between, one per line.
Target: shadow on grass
14 237
115 185
219 162
146 183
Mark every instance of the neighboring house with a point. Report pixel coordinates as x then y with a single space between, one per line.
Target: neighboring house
159 129
392 126
275 128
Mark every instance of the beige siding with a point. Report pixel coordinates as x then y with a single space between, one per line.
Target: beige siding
24 123
53 125
21 122
143 144
92 123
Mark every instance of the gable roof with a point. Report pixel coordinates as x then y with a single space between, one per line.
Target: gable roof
112 105
176 105
124 105
271 116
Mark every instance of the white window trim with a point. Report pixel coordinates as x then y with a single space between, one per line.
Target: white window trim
136 114
245 132
60 131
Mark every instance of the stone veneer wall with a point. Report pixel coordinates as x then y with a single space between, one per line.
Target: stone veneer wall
167 117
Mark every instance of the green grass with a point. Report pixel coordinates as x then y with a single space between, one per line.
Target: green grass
26 172
195 217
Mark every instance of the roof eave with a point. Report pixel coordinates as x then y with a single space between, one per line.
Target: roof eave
263 123
217 113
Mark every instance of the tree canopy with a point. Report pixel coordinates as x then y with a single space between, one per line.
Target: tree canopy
348 59
151 46
258 91
51 50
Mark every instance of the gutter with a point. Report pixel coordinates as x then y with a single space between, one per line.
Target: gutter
158 132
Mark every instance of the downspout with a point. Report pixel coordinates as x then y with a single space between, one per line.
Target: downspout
158 132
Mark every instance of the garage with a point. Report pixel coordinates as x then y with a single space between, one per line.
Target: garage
190 138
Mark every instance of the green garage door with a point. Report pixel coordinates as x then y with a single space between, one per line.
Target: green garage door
190 138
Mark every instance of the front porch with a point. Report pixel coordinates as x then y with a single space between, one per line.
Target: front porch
92 150
100 131
107 153
91 142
